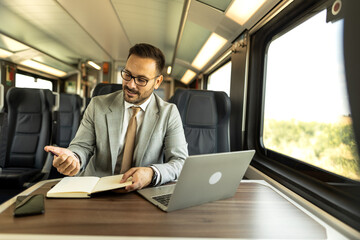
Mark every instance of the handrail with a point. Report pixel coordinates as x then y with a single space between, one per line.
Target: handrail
184 16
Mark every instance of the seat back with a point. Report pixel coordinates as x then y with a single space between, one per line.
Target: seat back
29 127
106 88
205 116
67 119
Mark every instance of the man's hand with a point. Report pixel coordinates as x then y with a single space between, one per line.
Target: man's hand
141 177
64 160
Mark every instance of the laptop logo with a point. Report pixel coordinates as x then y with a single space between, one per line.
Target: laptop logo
215 178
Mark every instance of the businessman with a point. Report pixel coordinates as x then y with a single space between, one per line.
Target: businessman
132 131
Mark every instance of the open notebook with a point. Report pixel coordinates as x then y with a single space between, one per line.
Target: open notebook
83 187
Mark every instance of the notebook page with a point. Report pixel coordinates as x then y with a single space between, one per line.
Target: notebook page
75 184
110 182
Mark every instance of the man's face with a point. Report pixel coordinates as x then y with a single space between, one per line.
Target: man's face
144 68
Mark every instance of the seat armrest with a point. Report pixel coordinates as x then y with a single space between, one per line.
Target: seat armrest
47 166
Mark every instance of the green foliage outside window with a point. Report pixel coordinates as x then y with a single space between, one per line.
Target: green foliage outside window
330 146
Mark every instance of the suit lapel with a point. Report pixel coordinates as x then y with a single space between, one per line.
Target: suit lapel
146 131
114 120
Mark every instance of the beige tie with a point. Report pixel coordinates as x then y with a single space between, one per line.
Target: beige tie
129 142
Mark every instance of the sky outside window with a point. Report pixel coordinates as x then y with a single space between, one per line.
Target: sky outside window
220 80
24 81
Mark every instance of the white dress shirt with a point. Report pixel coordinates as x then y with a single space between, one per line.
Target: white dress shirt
139 120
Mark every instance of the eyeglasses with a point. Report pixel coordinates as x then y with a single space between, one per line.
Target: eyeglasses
140 81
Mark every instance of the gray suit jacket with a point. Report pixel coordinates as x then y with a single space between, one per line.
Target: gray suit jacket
161 134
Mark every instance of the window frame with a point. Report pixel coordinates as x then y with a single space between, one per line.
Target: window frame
324 189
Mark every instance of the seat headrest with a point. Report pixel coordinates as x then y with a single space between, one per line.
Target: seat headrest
26 99
201 110
106 88
202 107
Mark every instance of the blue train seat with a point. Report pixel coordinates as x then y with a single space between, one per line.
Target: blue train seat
29 131
106 88
206 117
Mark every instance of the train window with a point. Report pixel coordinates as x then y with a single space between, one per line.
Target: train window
220 79
24 81
306 112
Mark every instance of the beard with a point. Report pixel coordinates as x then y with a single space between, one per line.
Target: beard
134 99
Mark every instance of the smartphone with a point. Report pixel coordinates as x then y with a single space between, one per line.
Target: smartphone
29 205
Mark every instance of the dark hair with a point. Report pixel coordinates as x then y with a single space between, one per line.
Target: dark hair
145 50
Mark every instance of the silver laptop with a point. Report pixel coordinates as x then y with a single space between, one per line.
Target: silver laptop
204 178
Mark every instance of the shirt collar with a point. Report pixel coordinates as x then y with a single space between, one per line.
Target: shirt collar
143 106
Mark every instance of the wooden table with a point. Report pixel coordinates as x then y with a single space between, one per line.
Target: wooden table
256 211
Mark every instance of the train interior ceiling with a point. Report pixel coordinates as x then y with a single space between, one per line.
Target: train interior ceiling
66 35
70 47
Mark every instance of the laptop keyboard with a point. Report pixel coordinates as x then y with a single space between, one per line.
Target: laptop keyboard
163 199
